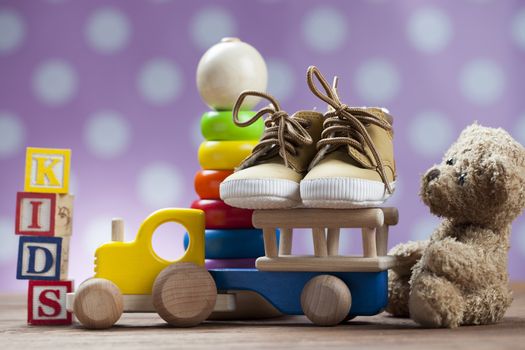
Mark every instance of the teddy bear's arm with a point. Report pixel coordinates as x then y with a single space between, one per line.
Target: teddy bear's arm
474 261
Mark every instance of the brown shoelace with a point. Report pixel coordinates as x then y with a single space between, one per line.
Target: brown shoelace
282 133
345 125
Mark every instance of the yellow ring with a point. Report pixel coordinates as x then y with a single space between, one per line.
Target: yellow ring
224 155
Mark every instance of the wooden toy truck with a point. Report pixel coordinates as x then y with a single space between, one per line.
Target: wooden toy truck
328 288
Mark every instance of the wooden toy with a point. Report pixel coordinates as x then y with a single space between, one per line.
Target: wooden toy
326 287
227 69
219 126
224 155
248 306
41 258
44 214
232 244
220 215
46 302
133 266
207 183
47 170
230 263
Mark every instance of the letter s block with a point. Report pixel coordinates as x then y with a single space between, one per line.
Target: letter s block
40 258
44 214
46 302
47 170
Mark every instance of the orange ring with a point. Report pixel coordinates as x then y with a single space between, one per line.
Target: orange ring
207 183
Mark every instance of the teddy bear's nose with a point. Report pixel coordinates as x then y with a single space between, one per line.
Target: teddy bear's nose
433 174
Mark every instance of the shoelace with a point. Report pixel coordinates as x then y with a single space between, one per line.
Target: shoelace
345 120
282 133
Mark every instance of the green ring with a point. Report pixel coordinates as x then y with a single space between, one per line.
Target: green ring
219 126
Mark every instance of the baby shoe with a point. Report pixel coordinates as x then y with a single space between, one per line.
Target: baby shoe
354 166
269 178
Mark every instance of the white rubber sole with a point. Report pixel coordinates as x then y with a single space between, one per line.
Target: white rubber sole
343 192
261 193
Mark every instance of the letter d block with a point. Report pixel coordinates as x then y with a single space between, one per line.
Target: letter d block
46 302
47 170
40 258
43 214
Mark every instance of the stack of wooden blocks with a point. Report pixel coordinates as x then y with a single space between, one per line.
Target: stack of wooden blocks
44 213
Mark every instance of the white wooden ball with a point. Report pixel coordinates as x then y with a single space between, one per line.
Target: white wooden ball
227 69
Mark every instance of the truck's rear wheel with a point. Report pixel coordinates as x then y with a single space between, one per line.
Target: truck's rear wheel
184 294
98 303
326 300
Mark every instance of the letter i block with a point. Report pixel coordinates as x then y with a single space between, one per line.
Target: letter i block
44 214
41 258
47 170
46 302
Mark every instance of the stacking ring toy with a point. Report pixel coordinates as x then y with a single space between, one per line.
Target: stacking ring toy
219 126
220 215
224 155
207 183
232 244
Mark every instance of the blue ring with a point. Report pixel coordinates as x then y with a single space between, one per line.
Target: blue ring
232 243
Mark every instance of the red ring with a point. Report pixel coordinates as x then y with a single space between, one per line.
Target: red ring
207 183
220 215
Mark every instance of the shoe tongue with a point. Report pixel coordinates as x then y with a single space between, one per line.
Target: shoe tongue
360 158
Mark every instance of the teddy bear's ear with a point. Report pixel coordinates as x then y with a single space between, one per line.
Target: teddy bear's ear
496 170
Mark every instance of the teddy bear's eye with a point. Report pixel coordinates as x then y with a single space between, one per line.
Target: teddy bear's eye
461 178
451 161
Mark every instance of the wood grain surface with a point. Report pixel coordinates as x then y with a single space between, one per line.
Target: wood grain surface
149 331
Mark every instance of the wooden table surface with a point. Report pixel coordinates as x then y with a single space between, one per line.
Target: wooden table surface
148 331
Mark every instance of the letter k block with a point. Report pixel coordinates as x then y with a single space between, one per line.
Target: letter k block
47 170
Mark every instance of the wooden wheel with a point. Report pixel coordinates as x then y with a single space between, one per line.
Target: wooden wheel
326 300
98 303
184 294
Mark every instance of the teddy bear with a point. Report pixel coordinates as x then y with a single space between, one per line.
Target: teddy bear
459 276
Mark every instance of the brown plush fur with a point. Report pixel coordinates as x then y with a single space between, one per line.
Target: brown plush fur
459 277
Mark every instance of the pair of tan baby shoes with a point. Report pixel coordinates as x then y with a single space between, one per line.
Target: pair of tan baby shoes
342 159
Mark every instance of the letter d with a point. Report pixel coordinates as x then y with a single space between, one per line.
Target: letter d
31 266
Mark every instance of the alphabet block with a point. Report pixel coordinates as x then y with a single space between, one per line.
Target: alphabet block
47 170
46 302
41 258
44 214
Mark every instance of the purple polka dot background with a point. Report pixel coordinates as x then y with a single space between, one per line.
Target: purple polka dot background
115 82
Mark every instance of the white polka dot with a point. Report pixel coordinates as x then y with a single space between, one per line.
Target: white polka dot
160 81
324 29
12 134
519 130
377 81
518 28
12 31
73 183
160 185
423 228
9 246
107 30
210 25
107 134
430 133
482 81
429 29
280 79
55 82
96 233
